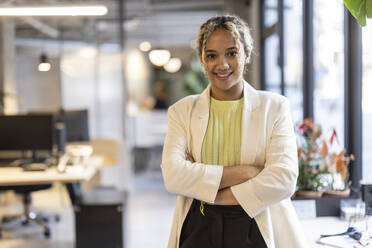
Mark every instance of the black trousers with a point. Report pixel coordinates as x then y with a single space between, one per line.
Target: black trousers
220 227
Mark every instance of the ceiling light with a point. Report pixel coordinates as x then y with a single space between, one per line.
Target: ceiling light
145 46
88 10
44 65
173 65
159 57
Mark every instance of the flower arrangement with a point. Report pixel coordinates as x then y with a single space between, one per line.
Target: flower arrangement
321 167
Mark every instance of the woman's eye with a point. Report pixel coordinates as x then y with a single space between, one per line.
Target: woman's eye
211 56
232 54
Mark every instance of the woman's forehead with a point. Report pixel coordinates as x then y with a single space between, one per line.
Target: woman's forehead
220 38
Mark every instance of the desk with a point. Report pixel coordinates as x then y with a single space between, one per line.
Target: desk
72 177
313 228
17 176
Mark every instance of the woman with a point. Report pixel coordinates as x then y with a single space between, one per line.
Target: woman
230 153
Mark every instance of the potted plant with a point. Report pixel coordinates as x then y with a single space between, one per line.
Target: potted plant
322 169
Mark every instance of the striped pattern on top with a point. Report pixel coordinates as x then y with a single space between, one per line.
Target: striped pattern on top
222 141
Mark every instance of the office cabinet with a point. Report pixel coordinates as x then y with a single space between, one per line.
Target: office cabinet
100 219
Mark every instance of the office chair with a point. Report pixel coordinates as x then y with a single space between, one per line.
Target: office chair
27 216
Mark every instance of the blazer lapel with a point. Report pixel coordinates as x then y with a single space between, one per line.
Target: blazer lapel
250 125
199 123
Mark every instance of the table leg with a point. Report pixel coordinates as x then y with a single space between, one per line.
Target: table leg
74 192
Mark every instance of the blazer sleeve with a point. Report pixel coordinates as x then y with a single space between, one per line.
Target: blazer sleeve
182 177
277 180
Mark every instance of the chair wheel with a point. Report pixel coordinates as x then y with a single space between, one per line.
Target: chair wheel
57 218
47 233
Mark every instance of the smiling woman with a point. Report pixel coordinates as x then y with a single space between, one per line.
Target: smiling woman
230 153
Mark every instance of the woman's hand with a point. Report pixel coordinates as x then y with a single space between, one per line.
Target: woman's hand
233 175
225 197
252 171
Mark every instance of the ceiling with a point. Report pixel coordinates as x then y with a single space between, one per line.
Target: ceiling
162 22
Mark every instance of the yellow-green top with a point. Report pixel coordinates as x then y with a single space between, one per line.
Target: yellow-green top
222 141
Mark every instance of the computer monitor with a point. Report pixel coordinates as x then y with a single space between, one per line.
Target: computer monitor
76 125
27 132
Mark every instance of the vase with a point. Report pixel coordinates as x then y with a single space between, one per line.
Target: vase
309 193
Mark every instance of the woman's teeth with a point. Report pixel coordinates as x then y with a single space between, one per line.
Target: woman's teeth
223 75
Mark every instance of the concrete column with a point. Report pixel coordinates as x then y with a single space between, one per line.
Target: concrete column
249 10
8 84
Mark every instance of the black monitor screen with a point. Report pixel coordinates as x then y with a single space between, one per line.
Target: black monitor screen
76 125
26 132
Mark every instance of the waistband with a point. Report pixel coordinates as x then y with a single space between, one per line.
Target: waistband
217 208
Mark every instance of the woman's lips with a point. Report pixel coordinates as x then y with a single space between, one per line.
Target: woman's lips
223 76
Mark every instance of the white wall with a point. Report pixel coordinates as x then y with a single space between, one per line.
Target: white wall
92 80
7 65
37 91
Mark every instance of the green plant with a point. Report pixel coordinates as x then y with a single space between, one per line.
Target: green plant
360 9
194 80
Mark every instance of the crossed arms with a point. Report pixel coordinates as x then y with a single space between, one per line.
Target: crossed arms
231 175
215 184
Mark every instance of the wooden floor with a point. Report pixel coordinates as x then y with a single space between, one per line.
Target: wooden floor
149 213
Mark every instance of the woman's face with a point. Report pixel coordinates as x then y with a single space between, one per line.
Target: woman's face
224 64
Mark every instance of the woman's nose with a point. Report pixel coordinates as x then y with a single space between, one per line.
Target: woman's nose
222 63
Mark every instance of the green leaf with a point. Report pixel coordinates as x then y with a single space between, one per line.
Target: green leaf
369 8
358 9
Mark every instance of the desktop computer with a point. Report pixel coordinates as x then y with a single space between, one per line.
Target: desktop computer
28 133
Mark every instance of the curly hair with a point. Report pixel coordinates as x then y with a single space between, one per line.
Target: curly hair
238 28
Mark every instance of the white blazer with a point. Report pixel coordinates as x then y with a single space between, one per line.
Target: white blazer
268 141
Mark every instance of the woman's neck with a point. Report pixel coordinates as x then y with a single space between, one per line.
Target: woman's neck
234 93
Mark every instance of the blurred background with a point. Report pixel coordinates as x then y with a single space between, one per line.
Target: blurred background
122 68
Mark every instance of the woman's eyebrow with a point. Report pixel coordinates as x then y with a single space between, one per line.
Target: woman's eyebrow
232 48
227 49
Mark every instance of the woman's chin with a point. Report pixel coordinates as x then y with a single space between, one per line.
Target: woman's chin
224 84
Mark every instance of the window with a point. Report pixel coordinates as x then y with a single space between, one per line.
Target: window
293 57
272 68
292 49
367 100
329 66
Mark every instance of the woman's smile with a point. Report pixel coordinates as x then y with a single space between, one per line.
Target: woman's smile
224 63
224 76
